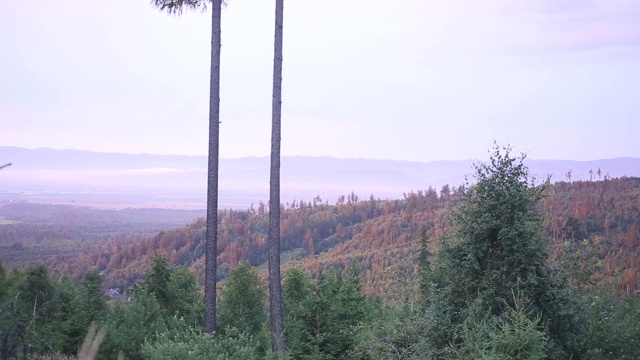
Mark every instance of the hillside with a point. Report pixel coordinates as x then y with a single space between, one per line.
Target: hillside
592 226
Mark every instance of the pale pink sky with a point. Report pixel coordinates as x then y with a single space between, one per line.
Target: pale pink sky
410 80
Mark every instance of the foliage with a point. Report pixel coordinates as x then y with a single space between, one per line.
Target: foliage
175 289
595 219
322 319
130 325
499 248
502 244
517 334
242 303
193 344
614 329
398 333
426 273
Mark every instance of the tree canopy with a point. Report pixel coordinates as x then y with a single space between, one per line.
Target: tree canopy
498 248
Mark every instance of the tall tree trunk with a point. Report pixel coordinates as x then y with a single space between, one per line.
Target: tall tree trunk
275 287
212 183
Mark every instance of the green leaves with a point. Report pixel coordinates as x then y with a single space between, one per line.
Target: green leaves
323 319
175 289
179 6
517 334
499 248
242 304
193 344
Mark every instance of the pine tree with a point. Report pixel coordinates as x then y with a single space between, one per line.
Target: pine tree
424 264
175 289
499 248
296 296
211 244
158 281
275 286
322 318
242 303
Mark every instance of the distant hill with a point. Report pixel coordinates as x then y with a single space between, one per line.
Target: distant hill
592 227
124 180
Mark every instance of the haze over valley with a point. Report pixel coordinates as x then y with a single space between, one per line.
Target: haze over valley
119 180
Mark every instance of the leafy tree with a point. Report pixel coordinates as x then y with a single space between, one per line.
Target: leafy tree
242 302
175 289
325 319
186 300
158 281
93 299
514 335
193 344
3 276
67 324
130 325
498 248
13 324
176 7
397 333
424 264
75 310
613 330
37 290
297 295
39 315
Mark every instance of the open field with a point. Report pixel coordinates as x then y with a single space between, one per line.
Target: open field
5 221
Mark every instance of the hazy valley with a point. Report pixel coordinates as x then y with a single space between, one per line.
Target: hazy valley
112 180
360 236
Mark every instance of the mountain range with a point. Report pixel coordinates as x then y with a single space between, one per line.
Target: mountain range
147 180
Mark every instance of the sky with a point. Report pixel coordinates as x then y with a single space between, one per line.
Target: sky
417 80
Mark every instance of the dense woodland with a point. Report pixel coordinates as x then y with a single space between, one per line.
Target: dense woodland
499 269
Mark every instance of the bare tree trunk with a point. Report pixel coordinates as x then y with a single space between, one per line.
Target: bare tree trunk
212 183
275 287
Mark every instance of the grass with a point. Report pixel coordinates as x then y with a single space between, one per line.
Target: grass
284 257
89 349
5 221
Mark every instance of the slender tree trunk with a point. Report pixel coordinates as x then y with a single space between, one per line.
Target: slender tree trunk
212 183
275 286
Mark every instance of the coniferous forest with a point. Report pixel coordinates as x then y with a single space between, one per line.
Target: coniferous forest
504 267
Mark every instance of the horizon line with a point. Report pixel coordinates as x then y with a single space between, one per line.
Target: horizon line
298 156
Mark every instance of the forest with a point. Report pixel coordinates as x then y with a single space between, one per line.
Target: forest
507 267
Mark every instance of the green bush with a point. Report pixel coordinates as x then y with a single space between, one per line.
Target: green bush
192 344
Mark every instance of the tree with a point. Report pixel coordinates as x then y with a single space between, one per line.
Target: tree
275 287
323 318
130 325
158 281
297 293
424 264
242 304
92 296
175 289
193 344
515 335
498 248
176 7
